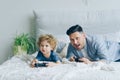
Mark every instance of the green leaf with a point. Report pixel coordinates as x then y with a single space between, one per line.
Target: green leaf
27 43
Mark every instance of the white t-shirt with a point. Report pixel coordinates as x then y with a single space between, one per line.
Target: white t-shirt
84 52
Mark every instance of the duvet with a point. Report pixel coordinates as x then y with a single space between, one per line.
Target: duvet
18 68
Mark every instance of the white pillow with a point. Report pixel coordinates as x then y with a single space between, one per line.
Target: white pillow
115 36
57 22
112 36
60 47
63 40
63 53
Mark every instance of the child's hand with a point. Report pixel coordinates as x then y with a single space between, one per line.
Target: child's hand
33 62
51 64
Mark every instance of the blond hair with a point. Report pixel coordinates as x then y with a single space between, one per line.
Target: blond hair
50 39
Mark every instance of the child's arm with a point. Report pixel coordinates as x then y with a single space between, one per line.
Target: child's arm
51 64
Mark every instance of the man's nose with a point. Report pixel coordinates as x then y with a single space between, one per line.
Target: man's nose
75 41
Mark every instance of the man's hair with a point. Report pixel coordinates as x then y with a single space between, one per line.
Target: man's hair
75 28
50 39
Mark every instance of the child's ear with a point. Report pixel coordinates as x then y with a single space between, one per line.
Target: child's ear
51 48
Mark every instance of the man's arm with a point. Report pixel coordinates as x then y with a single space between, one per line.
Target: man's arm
70 53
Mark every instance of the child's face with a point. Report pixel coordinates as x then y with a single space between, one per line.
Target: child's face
45 47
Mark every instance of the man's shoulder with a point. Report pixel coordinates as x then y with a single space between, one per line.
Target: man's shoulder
70 46
95 40
94 37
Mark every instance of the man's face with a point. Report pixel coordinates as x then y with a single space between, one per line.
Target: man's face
77 39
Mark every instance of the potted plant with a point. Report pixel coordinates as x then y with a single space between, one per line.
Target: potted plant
24 44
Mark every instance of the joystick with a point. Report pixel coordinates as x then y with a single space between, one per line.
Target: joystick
40 65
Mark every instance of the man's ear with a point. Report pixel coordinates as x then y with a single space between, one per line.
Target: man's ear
84 35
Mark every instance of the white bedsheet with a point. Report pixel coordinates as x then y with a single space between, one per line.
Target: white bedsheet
18 68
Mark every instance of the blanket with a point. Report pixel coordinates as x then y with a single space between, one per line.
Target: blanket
18 68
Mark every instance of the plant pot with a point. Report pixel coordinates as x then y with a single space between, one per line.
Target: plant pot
20 51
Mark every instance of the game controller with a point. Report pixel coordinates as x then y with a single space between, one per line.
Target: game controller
40 65
77 59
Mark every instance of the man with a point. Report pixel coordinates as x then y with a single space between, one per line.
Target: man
87 48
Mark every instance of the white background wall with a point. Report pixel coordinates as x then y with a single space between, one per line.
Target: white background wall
16 16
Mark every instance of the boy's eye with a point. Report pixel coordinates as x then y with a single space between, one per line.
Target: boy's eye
46 45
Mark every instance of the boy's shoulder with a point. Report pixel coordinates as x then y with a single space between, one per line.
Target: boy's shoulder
53 53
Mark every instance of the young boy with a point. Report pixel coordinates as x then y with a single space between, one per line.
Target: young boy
47 44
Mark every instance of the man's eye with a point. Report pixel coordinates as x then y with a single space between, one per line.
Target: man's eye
77 38
71 39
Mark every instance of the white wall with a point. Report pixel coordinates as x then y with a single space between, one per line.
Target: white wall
16 16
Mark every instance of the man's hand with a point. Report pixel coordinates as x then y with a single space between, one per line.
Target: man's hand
72 58
85 60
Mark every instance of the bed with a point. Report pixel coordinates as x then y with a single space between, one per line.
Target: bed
56 23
